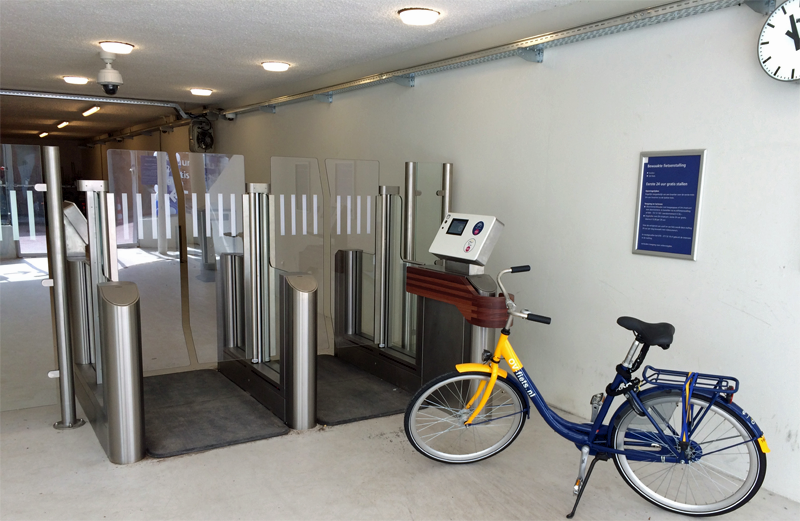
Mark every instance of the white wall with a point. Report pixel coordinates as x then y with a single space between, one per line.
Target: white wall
552 149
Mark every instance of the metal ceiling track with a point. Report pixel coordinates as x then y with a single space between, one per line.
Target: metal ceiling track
531 49
95 99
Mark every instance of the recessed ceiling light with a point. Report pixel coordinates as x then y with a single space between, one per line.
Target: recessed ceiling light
117 47
201 92
43 134
91 111
418 15
63 124
76 80
275 66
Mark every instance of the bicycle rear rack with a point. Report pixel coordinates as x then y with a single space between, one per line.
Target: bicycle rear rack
677 380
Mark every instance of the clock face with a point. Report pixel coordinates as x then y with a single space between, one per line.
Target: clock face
779 43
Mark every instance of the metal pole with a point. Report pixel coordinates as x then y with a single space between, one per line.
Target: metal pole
57 249
350 288
162 217
254 211
408 250
382 263
447 186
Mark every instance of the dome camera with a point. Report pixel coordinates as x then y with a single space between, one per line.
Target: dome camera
109 78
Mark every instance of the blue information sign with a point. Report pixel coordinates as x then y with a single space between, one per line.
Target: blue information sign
669 203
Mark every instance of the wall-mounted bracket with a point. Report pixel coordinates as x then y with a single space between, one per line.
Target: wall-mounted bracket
406 80
532 54
269 109
166 129
324 98
761 6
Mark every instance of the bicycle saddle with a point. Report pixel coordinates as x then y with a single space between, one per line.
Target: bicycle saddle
651 334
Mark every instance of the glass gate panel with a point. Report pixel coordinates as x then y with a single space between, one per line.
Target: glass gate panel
25 303
353 187
21 207
213 185
428 210
147 232
425 182
297 225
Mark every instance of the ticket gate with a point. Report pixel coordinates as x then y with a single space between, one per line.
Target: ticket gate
449 308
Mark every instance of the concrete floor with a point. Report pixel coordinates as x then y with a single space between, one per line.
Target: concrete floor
364 470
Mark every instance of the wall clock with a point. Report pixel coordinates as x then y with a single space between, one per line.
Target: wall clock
779 43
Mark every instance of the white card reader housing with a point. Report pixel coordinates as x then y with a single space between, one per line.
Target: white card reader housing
467 238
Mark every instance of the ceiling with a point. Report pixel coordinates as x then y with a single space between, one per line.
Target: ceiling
217 45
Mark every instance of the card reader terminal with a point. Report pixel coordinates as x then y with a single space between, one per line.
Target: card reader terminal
467 238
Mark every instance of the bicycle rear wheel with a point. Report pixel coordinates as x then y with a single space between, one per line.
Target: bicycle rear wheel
726 469
434 420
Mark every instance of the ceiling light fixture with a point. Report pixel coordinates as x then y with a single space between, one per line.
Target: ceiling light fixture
63 124
418 15
43 134
201 92
275 66
117 47
91 111
76 80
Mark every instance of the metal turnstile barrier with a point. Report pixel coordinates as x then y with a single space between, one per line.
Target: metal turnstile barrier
298 333
123 394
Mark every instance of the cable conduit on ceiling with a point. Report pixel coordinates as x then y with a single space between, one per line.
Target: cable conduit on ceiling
95 99
634 20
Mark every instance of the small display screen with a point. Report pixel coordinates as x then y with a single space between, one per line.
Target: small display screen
457 226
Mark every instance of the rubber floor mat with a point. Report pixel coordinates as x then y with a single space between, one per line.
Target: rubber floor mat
201 410
347 394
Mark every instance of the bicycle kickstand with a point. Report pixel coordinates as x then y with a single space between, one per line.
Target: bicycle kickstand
599 457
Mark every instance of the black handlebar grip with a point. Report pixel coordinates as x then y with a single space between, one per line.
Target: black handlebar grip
520 269
538 318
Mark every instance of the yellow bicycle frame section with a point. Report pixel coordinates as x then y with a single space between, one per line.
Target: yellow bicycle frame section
503 350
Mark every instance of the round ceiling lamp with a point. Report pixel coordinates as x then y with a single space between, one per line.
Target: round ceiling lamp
117 47
76 80
275 66
201 92
418 15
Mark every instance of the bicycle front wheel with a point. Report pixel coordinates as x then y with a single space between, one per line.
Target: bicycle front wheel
725 468
434 420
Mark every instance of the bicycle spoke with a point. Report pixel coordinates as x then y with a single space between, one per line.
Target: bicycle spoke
437 428
721 470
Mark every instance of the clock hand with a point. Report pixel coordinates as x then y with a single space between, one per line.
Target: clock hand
794 34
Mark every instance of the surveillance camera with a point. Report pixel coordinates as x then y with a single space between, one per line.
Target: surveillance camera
109 78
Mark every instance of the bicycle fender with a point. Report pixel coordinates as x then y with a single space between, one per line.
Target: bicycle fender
734 408
480 368
745 417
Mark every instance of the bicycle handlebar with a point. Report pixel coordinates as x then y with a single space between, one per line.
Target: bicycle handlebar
538 318
520 269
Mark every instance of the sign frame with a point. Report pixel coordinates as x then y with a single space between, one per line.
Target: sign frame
689 174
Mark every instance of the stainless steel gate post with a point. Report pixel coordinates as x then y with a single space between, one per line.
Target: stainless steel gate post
57 252
382 264
80 304
255 209
96 215
298 293
348 266
446 192
230 301
123 395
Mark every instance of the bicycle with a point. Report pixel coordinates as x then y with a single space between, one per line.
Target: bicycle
681 443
